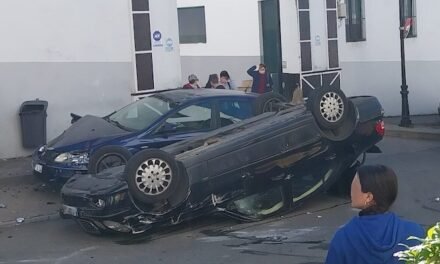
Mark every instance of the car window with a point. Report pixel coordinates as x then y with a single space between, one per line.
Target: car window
233 111
193 118
141 114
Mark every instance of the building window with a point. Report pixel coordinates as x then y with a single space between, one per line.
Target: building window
192 25
410 12
355 22
142 45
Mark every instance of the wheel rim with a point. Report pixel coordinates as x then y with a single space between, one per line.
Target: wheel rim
111 161
153 176
331 107
269 105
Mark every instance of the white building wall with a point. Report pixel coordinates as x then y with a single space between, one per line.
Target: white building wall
76 54
233 40
290 36
373 66
166 61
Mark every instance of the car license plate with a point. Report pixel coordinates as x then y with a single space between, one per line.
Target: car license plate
70 210
38 168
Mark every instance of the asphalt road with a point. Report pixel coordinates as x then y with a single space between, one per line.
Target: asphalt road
298 237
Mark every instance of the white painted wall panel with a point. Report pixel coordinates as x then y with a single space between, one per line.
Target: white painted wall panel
382 28
232 28
290 36
65 31
166 60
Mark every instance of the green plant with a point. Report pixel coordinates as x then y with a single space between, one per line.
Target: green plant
428 252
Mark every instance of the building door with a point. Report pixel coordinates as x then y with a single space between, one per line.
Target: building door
319 45
318 34
271 40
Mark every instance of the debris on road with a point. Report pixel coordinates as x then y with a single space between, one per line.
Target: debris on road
2 205
437 199
20 220
40 187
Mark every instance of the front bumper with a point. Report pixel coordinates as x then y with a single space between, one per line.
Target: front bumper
68 211
54 172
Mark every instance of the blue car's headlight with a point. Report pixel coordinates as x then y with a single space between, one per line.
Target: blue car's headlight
76 158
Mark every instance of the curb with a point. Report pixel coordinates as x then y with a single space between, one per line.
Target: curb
403 133
32 219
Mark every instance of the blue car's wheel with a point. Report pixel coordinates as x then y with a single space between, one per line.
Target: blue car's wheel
269 102
108 157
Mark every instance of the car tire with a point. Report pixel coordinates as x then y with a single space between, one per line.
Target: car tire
152 176
329 106
108 157
267 102
346 128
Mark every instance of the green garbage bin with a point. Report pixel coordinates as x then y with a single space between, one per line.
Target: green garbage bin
33 123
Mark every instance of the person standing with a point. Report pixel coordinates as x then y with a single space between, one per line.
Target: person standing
261 80
226 81
376 234
193 82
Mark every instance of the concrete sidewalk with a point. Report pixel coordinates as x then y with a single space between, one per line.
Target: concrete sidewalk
31 199
424 127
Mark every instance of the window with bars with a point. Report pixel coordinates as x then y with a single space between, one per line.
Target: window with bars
410 12
355 21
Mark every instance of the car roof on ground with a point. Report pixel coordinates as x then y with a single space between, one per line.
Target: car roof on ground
184 95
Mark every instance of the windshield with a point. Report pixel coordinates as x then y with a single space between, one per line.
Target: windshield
141 114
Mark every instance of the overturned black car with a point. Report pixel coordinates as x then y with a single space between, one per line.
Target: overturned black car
248 170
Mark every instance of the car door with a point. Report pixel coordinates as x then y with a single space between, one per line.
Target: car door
189 121
233 110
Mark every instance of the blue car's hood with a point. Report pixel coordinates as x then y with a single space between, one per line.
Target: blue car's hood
86 129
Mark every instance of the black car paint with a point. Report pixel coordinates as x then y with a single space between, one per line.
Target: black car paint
218 173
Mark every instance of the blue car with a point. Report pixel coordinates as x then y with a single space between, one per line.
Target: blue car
93 143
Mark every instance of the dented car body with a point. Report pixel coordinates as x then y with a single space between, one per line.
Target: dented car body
253 169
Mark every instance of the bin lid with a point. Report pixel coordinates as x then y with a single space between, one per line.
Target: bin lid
34 105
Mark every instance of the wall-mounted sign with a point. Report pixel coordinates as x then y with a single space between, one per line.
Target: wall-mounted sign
169 45
157 37
317 40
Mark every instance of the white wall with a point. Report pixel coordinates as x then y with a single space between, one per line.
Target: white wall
166 62
64 31
290 36
383 42
232 28
373 66
76 54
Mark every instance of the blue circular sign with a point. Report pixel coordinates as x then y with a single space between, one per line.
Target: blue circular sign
157 35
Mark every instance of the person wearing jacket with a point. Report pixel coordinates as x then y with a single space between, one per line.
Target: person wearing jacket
193 82
226 81
375 234
262 82
213 82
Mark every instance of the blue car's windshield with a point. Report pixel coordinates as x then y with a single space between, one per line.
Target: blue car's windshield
141 114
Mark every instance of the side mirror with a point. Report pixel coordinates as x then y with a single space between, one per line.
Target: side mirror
74 118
